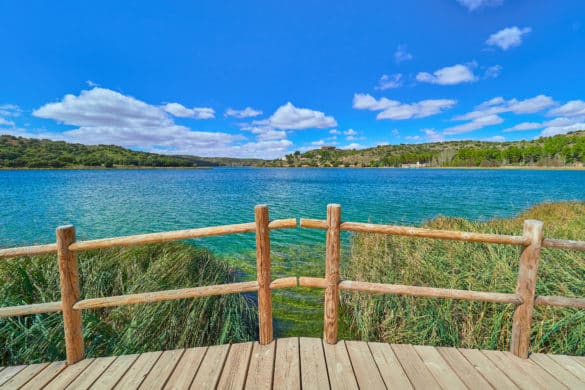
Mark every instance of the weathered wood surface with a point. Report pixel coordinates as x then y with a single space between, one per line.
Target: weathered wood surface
526 287
33 250
35 308
307 363
69 280
263 274
333 251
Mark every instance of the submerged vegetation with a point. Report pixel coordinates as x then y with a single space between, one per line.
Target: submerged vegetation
468 266
124 329
556 151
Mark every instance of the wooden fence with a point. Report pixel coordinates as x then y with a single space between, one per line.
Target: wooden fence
71 305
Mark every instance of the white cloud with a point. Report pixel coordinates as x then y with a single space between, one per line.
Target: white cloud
5 122
413 137
10 110
472 5
393 109
572 108
495 138
350 132
389 82
524 126
554 130
318 143
289 117
181 111
499 105
247 112
396 132
492 72
352 146
449 75
433 136
475 124
508 37
334 131
401 54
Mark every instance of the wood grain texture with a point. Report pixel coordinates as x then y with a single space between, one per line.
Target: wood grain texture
186 369
333 250
210 369
464 369
543 300
287 371
263 274
497 378
113 373
390 368
439 367
68 375
526 287
69 280
261 367
35 308
45 376
313 365
341 375
23 376
8 372
34 250
561 374
418 373
571 365
136 374
364 366
233 375
92 372
162 369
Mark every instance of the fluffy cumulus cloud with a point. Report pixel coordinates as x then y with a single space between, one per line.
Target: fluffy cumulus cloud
472 5
401 54
103 116
449 75
389 82
572 108
247 112
508 37
499 105
289 117
524 126
181 111
475 124
433 136
393 109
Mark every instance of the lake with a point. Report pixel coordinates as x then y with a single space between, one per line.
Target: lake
104 203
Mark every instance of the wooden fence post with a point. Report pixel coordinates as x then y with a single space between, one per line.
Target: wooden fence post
333 247
263 273
528 267
69 278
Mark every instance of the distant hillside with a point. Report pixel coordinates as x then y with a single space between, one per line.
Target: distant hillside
18 152
559 150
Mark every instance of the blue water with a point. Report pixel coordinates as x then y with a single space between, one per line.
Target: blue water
105 203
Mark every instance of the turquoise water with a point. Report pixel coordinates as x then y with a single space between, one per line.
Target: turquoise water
104 203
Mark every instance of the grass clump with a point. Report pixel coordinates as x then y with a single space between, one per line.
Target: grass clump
468 266
125 329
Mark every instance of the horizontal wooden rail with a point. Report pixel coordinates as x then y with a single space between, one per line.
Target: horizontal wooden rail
168 295
543 300
28 251
35 308
416 291
563 244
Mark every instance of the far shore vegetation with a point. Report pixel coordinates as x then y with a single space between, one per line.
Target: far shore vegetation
559 151
374 317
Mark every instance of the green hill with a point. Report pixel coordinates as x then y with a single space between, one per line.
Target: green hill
559 150
18 152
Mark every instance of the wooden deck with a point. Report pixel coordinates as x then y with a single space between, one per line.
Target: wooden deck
309 363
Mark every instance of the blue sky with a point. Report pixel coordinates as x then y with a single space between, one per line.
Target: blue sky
262 79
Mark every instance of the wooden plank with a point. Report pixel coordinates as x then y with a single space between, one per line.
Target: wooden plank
45 376
341 374
110 376
263 274
418 373
35 308
390 368
186 369
526 287
333 250
68 375
439 367
365 369
138 371
570 365
287 373
23 376
464 369
163 368
91 373
261 366
210 369
489 370
313 366
562 375
69 281
523 372
579 359
236 365
9 372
